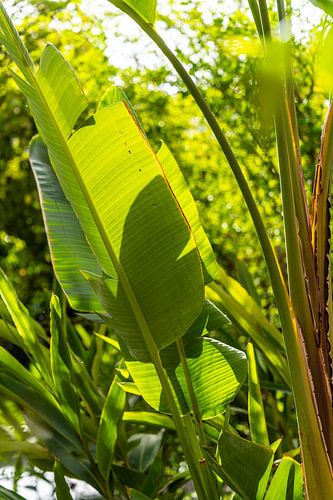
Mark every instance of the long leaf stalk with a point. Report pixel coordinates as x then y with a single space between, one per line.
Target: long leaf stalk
302 282
321 227
317 465
211 487
193 463
301 206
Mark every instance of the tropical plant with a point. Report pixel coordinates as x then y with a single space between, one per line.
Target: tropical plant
305 308
121 222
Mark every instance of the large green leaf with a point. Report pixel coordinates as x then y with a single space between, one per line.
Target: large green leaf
244 312
179 188
210 363
287 482
186 202
139 221
69 249
129 215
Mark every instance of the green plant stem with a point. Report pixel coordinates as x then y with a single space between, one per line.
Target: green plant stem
193 464
291 127
198 421
256 16
264 19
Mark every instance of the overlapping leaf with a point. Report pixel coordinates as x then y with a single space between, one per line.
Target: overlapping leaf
69 249
210 363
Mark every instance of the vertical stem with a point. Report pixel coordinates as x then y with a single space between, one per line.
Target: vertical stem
197 417
193 465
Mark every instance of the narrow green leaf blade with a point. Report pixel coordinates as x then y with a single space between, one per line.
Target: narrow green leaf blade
62 488
33 395
25 326
256 411
108 427
287 481
61 365
149 418
6 494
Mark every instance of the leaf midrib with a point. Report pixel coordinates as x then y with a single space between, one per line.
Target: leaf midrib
137 311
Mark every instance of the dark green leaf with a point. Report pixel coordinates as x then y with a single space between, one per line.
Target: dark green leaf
144 453
252 461
108 427
62 488
287 482
9 495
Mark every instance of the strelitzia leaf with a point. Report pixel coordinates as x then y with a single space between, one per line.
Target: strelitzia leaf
25 327
287 481
14 44
179 188
252 461
113 95
185 199
61 365
255 405
69 249
108 427
62 488
119 193
208 361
